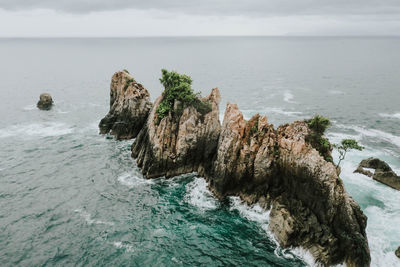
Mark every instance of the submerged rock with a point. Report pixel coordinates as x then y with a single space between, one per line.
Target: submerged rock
383 173
178 144
309 205
129 107
45 102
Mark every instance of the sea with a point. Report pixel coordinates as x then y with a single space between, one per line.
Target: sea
72 197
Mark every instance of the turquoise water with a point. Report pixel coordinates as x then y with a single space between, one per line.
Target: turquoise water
69 196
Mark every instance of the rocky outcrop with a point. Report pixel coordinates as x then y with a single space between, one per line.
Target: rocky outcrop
129 107
397 252
383 173
178 144
279 168
45 102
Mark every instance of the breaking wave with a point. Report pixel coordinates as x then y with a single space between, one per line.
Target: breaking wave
133 179
391 116
36 129
288 97
198 195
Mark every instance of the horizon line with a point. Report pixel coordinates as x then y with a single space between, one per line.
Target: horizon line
186 36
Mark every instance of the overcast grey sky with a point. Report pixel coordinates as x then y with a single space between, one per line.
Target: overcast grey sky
56 18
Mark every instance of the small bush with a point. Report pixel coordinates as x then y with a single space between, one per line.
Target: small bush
254 128
345 146
177 87
127 83
318 125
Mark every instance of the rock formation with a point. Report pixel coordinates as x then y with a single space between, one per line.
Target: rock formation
310 207
129 107
277 168
178 144
383 173
45 102
397 252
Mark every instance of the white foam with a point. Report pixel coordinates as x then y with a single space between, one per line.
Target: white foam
253 213
383 215
379 134
336 92
198 195
133 179
370 170
391 116
36 129
281 111
257 214
303 254
30 107
288 97
247 113
176 260
89 220
122 245
363 132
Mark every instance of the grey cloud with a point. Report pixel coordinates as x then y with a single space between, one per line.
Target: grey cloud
219 7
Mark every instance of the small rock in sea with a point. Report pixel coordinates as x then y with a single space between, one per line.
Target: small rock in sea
398 252
383 173
45 101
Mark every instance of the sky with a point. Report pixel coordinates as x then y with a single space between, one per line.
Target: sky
134 18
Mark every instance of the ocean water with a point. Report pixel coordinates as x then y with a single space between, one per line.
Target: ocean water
69 196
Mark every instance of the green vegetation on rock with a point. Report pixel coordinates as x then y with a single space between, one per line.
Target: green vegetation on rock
345 146
128 82
318 125
177 87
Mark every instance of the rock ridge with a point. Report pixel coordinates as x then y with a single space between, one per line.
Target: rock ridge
178 144
277 168
129 107
282 171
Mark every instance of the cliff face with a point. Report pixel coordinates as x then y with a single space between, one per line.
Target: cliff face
279 169
245 156
325 219
129 107
178 144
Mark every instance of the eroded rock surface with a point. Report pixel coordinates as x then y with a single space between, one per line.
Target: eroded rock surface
129 107
178 144
276 168
45 102
383 173
310 207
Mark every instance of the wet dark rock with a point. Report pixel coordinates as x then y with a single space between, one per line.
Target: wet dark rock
129 107
383 173
45 102
397 252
